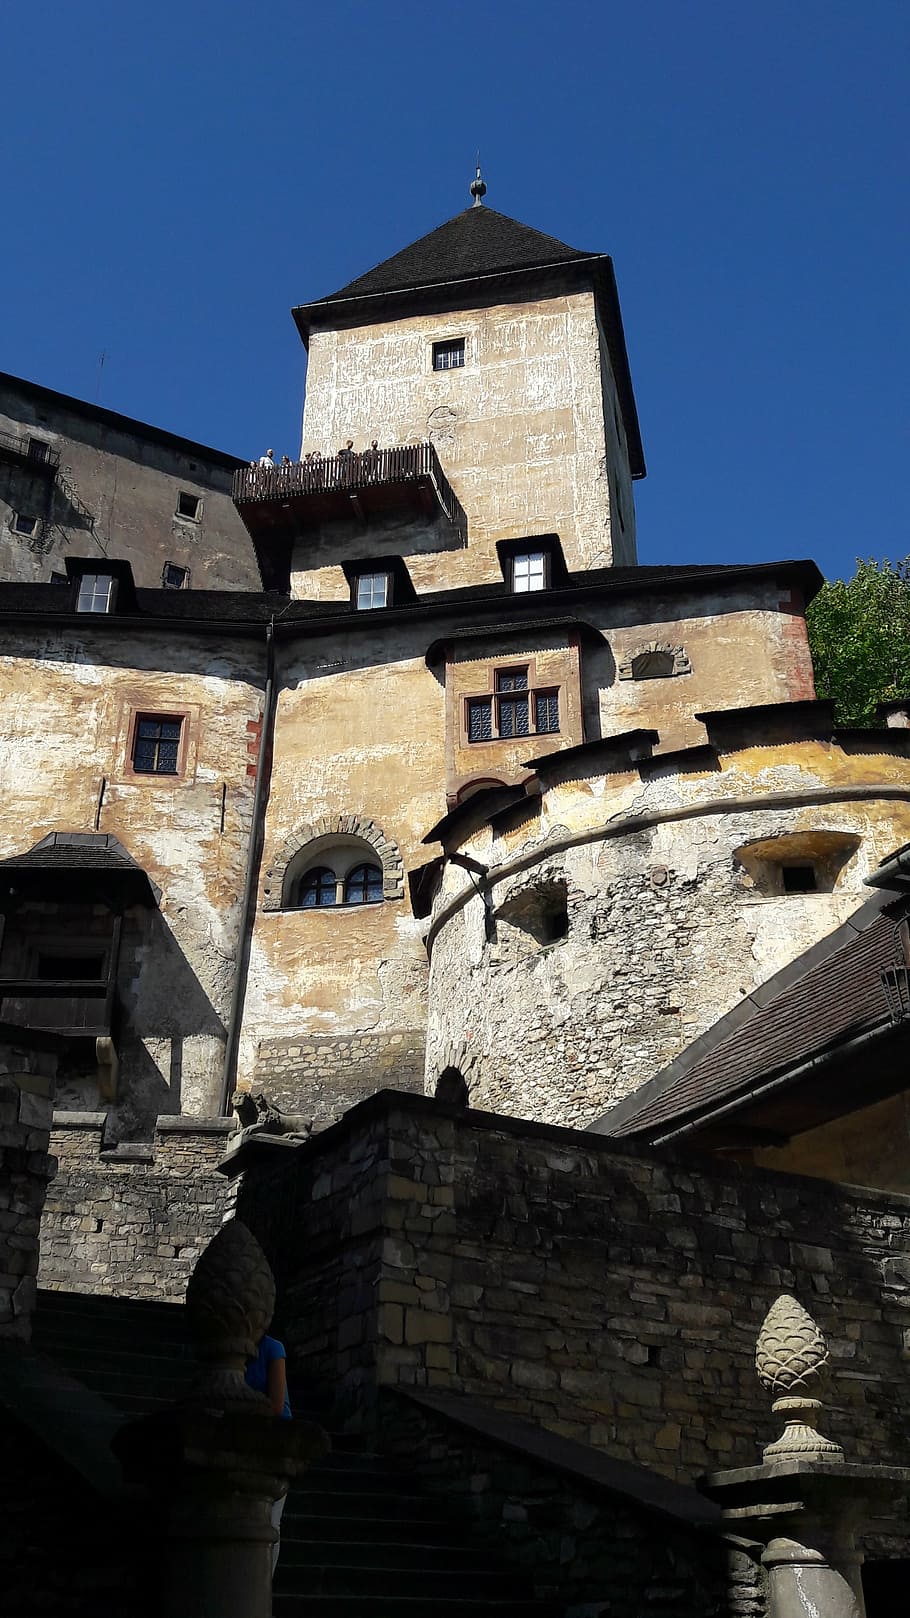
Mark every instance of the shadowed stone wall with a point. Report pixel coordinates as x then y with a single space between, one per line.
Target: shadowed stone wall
132 1221
611 1296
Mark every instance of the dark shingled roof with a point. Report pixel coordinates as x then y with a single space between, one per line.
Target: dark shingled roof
826 997
82 857
478 241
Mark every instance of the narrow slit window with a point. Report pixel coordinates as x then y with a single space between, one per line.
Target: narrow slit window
448 355
156 749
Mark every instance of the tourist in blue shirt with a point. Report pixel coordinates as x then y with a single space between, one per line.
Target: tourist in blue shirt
267 1373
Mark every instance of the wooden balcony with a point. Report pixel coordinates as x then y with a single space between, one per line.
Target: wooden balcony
32 454
78 1008
278 504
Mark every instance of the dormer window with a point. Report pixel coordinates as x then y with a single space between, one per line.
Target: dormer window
529 571
373 590
448 355
96 592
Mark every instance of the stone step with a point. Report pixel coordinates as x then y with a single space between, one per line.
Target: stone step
368 1606
388 1503
317 1528
382 1552
452 1583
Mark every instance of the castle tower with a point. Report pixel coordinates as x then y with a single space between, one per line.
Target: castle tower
504 348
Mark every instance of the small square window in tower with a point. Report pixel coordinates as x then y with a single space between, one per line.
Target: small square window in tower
529 571
38 450
24 525
448 355
372 591
189 506
156 744
96 593
174 577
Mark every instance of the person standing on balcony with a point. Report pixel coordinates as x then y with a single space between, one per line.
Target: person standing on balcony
267 1373
268 459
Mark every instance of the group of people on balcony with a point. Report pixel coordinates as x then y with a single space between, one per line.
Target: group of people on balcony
362 458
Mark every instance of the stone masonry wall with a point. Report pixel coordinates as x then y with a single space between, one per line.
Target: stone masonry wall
26 1103
321 1077
133 1220
611 1296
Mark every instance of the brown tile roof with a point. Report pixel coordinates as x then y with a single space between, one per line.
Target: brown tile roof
823 998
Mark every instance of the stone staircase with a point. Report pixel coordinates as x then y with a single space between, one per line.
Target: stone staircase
359 1539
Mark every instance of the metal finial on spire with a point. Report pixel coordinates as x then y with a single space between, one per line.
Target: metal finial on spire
478 188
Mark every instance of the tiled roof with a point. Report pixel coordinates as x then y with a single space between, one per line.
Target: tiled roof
73 851
249 608
478 241
832 999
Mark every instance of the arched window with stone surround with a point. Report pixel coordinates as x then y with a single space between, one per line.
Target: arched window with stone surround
337 861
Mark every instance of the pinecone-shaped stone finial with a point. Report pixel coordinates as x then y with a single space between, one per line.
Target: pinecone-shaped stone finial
791 1358
230 1300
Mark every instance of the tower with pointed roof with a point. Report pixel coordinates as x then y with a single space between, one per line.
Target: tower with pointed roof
504 347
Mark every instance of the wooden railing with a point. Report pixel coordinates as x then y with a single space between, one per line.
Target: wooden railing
70 1006
406 463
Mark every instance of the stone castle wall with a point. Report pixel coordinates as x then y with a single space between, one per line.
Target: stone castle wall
328 1074
132 1221
665 926
612 1296
26 1167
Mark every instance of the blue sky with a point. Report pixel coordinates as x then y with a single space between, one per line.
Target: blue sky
177 176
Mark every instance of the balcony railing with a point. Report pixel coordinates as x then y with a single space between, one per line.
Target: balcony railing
32 453
356 475
79 1006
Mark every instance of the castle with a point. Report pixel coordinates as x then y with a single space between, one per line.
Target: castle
462 787
390 769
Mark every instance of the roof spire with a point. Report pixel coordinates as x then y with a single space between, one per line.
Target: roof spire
478 188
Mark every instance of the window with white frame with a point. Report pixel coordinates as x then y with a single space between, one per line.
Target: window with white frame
449 355
529 571
24 524
96 592
373 590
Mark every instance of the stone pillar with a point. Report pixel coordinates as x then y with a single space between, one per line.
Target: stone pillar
805 1502
217 1463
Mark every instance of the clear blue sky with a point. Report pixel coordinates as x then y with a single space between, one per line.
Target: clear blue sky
178 175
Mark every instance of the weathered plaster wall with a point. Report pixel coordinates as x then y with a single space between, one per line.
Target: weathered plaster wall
612 1296
666 929
520 429
64 740
742 646
551 661
115 495
360 731
132 1220
436 553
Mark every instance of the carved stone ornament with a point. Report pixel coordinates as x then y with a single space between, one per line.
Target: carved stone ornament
792 1359
230 1300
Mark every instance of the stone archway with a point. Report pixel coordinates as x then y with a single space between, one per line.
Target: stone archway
344 825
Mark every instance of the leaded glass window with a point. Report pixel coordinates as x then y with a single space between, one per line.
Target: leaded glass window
546 712
513 710
363 885
156 746
480 719
317 889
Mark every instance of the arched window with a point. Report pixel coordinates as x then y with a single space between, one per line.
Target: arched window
363 885
316 888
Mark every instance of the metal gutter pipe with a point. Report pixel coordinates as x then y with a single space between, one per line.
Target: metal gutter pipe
251 879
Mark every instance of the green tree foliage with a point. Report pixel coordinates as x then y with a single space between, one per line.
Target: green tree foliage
859 636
